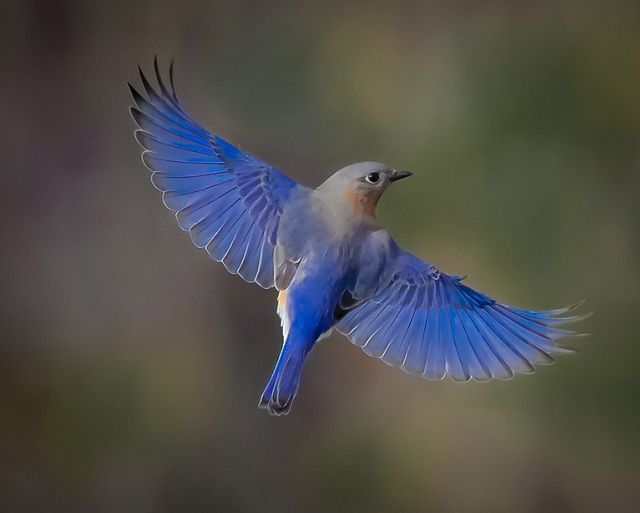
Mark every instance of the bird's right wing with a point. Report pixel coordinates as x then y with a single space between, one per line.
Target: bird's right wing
229 201
430 323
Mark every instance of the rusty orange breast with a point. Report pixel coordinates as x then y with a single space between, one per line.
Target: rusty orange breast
363 204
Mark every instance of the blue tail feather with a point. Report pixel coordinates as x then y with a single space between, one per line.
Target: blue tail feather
284 382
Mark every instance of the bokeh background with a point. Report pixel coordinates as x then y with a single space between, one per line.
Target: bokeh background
131 365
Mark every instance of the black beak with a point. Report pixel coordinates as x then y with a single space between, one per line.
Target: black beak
399 175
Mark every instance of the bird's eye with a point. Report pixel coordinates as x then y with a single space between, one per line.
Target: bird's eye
373 177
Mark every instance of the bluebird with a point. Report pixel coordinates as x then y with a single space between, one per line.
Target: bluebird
332 263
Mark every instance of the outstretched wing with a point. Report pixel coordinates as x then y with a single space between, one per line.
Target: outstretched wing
430 323
229 201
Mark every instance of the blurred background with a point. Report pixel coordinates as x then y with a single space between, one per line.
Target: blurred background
131 365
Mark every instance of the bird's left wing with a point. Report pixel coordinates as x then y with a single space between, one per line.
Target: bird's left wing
229 201
430 323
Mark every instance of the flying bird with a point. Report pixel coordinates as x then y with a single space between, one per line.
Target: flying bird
333 264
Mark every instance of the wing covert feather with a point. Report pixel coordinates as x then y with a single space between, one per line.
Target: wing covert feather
229 201
430 323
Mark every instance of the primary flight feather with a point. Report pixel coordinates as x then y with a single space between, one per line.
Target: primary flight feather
333 264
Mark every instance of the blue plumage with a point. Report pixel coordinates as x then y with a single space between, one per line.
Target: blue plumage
333 264
430 323
226 199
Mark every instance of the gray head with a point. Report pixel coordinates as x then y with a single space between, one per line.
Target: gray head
362 184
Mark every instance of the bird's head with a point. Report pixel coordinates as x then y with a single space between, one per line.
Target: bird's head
363 184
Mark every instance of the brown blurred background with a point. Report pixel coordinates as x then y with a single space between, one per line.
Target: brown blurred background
131 365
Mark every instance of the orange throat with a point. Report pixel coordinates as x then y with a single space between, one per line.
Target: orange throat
363 204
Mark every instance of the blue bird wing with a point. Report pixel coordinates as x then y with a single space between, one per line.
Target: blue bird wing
430 323
229 201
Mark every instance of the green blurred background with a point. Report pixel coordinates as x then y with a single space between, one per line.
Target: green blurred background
131 365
